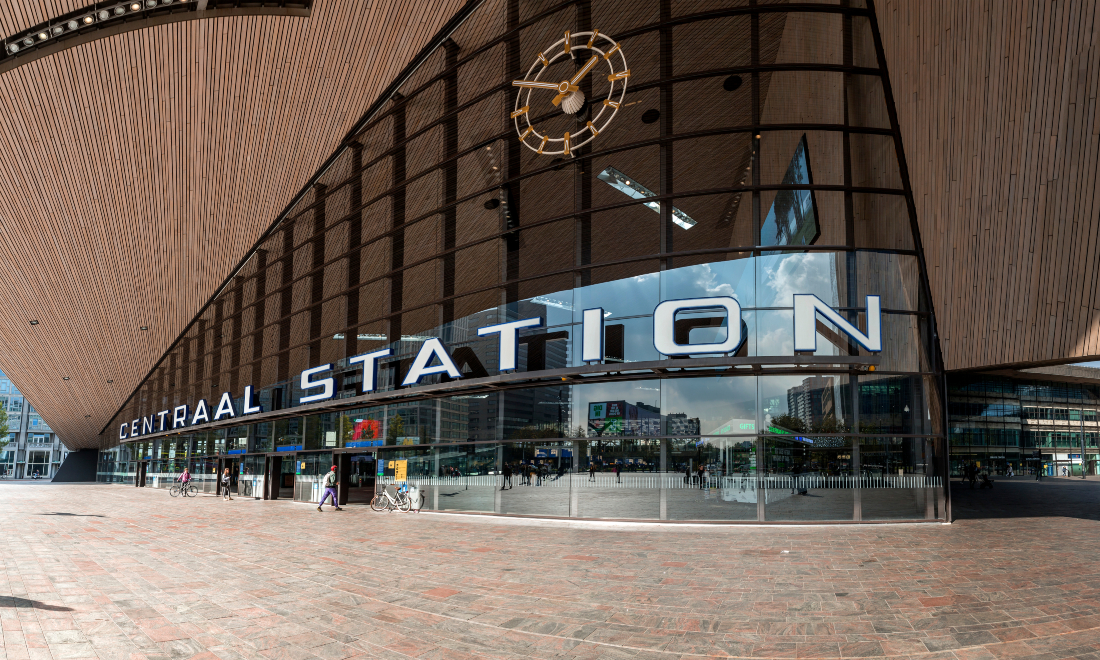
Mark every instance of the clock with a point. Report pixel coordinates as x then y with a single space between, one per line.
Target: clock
597 50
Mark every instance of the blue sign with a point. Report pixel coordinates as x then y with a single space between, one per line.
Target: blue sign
365 443
235 451
290 448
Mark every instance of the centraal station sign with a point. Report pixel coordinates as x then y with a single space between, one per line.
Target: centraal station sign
434 357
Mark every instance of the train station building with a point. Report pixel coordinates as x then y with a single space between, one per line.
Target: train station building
649 260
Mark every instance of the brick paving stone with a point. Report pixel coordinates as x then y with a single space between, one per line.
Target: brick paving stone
130 574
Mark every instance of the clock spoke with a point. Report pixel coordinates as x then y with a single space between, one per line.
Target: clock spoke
535 84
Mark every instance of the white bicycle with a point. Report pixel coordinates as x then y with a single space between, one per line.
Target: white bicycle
390 498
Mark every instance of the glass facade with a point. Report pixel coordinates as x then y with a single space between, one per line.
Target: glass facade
1024 425
751 157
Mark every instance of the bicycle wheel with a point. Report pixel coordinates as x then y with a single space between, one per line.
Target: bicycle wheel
174 490
191 491
405 504
378 503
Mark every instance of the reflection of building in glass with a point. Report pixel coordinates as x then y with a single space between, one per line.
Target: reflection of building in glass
615 418
1046 418
680 425
812 401
792 219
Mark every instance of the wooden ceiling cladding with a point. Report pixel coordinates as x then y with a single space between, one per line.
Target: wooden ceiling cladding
996 101
136 171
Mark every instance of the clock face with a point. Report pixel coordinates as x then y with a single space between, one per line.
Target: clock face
542 93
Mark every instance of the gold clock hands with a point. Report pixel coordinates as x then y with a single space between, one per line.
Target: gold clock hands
576 79
534 84
584 70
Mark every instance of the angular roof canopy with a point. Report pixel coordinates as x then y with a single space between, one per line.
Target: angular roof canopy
138 168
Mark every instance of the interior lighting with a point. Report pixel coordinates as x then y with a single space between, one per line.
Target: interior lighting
28 42
135 6
119 11
42 36
34 322
64 378
87 416
150 3
87 20
110 381
622 183
103 15
144 327
56 29
72 25
13 47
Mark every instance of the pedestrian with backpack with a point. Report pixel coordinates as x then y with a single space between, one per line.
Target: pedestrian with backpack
330 483
226 480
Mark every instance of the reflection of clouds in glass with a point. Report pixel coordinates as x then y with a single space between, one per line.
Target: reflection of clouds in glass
713 401
776 341
785 275
725 278
629 296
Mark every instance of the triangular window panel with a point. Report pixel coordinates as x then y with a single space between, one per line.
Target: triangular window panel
792 219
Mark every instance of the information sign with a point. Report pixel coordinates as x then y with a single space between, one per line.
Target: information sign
400 470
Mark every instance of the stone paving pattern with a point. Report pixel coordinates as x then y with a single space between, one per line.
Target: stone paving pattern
114 572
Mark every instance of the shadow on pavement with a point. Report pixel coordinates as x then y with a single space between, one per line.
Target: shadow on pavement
1023 497
15 601
81 515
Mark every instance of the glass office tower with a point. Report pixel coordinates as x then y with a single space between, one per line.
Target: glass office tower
674 150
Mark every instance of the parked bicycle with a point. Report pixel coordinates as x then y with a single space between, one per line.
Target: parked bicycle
392 498
187 490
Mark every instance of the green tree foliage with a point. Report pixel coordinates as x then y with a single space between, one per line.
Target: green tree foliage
789 423
3 428
395 430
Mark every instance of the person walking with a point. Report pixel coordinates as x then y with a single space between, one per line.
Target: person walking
618 472
1038 472
687 475
226 480
702 468
507 477
330 484
592 471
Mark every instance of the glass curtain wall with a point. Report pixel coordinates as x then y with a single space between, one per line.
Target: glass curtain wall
753 156
1025 425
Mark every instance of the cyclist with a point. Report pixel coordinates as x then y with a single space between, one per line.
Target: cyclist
184 479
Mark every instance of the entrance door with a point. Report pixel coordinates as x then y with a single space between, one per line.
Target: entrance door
38 462
357 473
234 465
287 465
271 477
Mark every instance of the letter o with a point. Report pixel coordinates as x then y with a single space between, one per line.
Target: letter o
664 326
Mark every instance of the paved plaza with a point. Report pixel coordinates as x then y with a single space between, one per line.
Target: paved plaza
114 572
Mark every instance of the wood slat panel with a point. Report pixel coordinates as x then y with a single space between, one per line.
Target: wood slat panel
996 101
136 170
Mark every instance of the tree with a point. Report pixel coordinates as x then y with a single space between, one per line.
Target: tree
395 430
3 428
789 423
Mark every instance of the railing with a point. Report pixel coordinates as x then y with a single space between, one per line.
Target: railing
671 481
